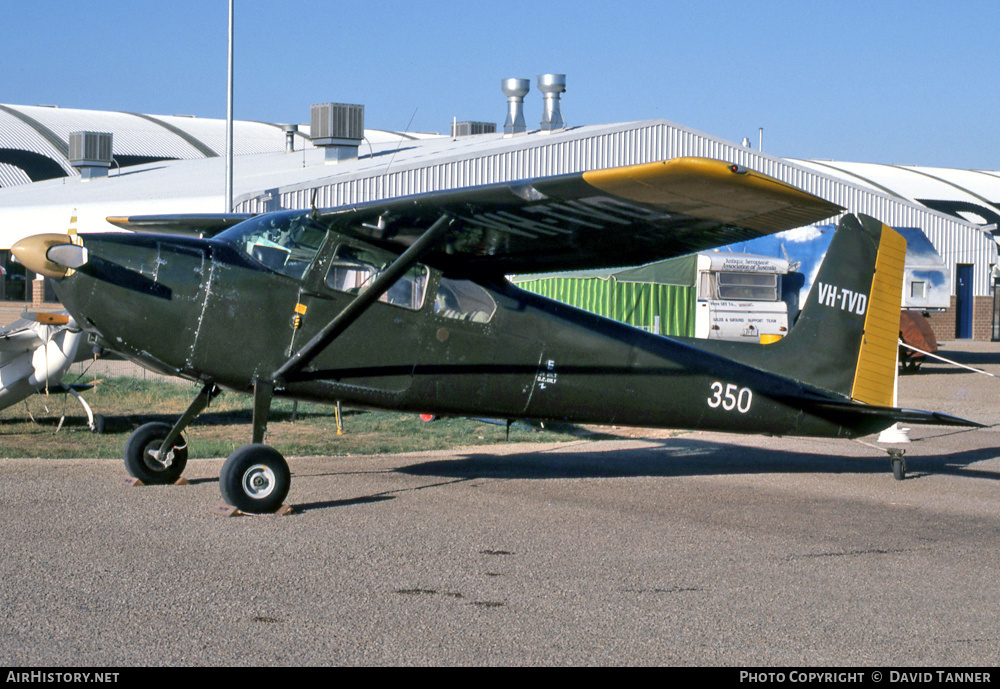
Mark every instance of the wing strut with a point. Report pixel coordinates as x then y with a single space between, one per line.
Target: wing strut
356 308
263 389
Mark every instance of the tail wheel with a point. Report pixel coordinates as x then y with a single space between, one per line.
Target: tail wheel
255 479
898 464
146 460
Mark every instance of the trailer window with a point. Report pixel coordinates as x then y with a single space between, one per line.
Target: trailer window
749 286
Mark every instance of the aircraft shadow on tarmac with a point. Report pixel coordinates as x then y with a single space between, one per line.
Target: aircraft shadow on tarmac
690 457
676 457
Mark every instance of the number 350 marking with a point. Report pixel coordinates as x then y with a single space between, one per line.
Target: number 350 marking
734 397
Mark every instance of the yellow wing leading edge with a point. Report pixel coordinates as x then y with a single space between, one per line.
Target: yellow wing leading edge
715 189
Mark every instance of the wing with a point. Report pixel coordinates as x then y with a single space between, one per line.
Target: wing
196 224
600 219
30 331
20 336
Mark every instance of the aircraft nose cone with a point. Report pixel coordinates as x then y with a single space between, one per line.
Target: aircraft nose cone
50 255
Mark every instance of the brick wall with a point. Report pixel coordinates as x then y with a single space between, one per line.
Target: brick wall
982 319
943 323
37 292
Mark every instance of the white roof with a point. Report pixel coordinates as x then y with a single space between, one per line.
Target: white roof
35 139
178 186
934 187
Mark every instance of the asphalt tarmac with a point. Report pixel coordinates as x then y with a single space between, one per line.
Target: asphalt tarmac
659 549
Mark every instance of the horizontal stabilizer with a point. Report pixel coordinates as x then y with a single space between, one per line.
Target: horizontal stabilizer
896 415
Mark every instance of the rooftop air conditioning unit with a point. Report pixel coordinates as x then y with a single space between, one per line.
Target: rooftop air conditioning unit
91 153
470 128
338 128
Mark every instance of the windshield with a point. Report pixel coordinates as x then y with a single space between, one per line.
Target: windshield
284 242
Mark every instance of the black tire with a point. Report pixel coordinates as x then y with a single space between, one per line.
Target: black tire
142 465
98 424
255 479
898 469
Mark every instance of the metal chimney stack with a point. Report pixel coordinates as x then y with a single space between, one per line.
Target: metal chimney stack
290 130
515 90
551 85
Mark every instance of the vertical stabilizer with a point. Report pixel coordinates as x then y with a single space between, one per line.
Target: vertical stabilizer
846 336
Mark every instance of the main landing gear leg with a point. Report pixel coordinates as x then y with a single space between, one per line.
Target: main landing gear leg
156 453
256 478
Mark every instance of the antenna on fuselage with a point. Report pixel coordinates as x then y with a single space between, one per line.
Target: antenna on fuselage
314 212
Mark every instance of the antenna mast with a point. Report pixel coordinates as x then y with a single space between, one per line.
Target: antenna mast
229 120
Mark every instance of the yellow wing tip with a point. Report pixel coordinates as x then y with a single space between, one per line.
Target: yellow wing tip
715 190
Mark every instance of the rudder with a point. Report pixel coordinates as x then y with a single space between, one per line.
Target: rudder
874 377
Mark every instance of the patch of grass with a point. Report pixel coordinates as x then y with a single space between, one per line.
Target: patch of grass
309 429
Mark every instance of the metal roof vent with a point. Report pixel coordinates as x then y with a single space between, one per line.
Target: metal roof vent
470 128
551 85
90 153
338 128
290 131
515 90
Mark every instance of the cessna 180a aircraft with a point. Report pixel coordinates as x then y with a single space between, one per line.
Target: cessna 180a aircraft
402 304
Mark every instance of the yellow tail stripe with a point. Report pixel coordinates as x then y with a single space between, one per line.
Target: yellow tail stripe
876 370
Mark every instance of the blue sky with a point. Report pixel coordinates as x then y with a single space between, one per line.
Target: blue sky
883 81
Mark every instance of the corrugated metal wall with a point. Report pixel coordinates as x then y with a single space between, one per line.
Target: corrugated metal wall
594 147
635 303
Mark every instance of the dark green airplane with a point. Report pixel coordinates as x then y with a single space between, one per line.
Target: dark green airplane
403 304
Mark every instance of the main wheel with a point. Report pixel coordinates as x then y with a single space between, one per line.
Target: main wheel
255 479
143 465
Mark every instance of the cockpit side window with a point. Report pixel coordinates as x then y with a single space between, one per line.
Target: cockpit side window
284 242
464 300
354 269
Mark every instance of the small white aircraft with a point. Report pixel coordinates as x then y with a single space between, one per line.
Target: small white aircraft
36 350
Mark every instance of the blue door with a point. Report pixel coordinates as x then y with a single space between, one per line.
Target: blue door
963 301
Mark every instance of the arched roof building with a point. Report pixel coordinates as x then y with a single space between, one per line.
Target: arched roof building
950 206
34 140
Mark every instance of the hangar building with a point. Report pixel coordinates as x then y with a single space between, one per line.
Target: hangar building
354 165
